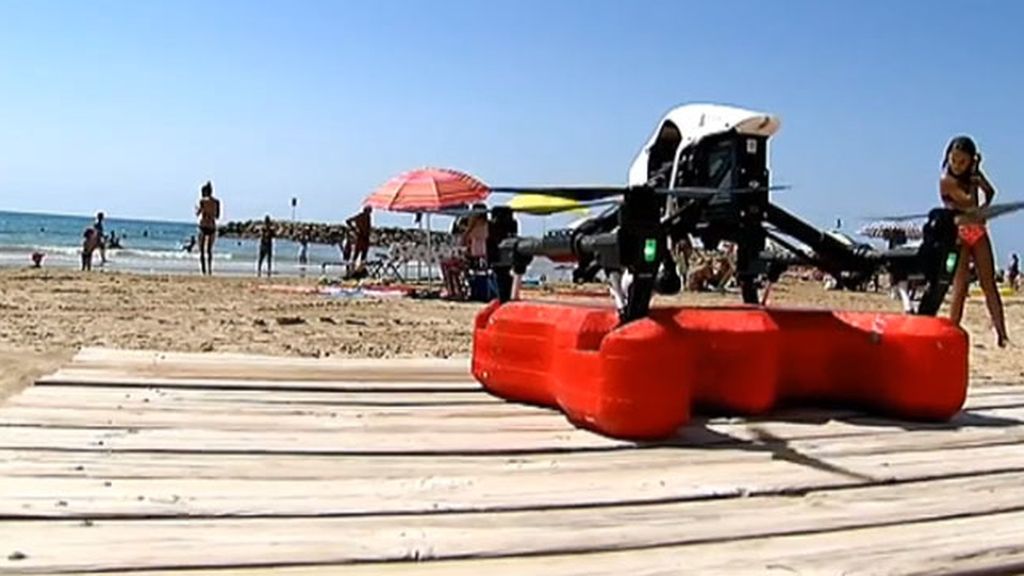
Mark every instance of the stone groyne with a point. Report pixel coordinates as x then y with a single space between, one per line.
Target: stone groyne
321 233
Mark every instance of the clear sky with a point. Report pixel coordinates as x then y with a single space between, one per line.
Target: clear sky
129 106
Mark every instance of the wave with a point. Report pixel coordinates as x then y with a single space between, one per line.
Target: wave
112 253
163 254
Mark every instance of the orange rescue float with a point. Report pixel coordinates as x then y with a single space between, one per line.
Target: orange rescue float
641 380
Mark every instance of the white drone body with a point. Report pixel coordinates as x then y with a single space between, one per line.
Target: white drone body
688 124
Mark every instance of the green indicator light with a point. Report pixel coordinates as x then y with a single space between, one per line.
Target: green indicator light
650 249
951 262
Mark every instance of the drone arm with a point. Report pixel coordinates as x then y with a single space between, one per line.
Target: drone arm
937 258
840 256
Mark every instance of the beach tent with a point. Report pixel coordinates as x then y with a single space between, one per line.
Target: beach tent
894 232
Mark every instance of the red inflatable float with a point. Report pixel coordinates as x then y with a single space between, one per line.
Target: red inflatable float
641 380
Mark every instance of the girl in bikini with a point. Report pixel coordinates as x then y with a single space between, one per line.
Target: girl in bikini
208 212
959 185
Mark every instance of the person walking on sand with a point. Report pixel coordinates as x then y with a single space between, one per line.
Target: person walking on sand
266 246
1013 272
304 249
958 187
362 224
208 212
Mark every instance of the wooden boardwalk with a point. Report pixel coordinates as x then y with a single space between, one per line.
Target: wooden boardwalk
192 464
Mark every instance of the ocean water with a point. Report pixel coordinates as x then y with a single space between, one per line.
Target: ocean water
157 247
147 246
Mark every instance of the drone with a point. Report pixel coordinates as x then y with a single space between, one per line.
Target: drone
704 174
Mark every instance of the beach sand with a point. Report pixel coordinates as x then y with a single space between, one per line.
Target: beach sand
48 314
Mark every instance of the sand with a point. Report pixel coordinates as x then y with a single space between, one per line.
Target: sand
19 367
46 315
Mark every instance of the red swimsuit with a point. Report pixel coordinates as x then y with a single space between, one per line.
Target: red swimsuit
970 233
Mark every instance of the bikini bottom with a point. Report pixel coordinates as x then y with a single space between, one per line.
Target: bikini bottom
971 234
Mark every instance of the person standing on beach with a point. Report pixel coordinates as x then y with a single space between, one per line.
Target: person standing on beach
960 188
101 242
1013 272
90 241
208 212
266 247
304 249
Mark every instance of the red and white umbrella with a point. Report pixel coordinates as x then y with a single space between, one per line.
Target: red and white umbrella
427 190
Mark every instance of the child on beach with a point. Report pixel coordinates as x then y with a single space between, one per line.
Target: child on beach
958 187
90 241
1013 272
266 246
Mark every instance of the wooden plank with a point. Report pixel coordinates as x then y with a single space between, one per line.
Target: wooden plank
115 465
72 396
349 486
239 401
486 486
226 379
995 388
131 465
854 529
430 436
393 493
869 461
948 546
168 364
494 417
422 420
371 440
146 409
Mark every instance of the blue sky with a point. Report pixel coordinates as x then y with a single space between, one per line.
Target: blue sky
129 106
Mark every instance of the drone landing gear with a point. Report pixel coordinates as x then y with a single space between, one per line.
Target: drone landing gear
631 293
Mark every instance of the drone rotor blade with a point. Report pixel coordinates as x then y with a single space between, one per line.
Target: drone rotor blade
592 193
894 217
986 213
698 192
996 210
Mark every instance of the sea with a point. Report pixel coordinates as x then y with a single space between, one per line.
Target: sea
147 246
160 247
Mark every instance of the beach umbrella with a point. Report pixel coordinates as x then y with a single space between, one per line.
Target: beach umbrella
427 190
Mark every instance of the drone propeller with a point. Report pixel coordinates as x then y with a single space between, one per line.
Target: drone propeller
546 211
578 193
996 210
591 193
698 192
987 213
